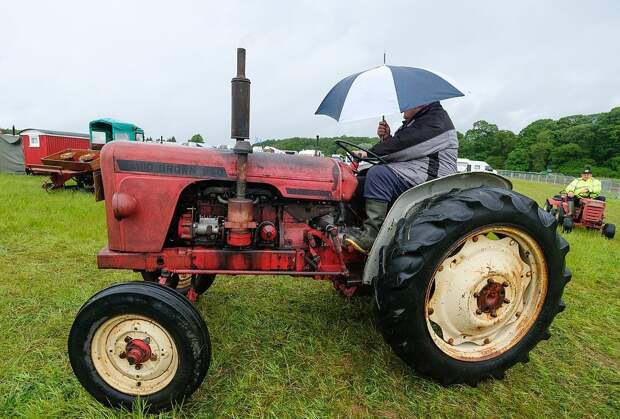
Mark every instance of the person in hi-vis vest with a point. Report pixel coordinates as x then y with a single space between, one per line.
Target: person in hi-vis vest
583 187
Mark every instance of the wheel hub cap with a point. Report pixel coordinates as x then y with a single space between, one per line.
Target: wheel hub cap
134 354
491 297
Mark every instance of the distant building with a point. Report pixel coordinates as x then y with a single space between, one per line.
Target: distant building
316 153
39 143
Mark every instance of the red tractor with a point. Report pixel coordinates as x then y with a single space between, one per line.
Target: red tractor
588 213
467 275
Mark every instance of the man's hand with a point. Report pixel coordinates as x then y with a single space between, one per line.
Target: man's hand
383 131
361 154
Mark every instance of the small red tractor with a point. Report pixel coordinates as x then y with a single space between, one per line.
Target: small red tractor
466 274
588 213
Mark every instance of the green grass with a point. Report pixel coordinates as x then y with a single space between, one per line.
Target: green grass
283 346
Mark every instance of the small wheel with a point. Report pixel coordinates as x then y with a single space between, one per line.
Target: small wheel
567 225
470 284
139 339
609 230
560 214
183 282
548 207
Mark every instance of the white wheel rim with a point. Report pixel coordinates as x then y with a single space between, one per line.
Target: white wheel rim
459 324
109 344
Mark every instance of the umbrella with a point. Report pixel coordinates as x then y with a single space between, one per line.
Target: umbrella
384 90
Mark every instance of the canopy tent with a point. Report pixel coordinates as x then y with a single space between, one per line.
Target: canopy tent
11 154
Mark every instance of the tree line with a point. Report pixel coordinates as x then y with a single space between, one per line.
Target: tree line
566 145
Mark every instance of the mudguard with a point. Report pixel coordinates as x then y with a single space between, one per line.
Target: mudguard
416 195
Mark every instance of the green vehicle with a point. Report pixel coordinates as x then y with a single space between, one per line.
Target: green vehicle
104 130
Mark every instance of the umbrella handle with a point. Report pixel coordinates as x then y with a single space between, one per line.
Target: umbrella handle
382 120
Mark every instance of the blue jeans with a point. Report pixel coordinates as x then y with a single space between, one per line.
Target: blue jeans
381 184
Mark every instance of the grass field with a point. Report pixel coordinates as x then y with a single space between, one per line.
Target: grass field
285 347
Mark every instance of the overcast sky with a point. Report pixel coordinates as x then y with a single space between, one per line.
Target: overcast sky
167 65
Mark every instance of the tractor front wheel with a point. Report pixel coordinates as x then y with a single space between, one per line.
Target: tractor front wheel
609 230
471 284
139 339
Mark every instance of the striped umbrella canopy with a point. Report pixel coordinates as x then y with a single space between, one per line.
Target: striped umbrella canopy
384 90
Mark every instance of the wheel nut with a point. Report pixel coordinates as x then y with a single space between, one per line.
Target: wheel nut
451 341
505 284
517 314
490 281
474 239
430 311
153 357
486 341
478 311
506 301
138 366
122 355
127 339
476 294
493 313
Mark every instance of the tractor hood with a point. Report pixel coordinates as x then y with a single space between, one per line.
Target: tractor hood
294 176
143 182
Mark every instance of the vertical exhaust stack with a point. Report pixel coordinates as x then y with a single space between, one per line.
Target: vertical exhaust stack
240 209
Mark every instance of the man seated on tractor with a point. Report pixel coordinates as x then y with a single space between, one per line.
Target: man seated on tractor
425 147
583 187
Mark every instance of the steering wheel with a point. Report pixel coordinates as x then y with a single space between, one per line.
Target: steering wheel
372 159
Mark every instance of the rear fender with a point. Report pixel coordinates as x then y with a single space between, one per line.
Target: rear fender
416 195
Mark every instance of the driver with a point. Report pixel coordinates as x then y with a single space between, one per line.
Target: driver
424 148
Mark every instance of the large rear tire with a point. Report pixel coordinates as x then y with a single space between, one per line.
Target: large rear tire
139 339
470 284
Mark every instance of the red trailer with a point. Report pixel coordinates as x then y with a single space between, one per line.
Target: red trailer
38 143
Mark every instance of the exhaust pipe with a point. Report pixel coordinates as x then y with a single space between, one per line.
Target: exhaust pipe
240 209
240 113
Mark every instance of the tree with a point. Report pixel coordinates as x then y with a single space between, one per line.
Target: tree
197 138
518 159
171 140
539 150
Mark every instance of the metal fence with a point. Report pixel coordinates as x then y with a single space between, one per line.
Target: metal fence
610 187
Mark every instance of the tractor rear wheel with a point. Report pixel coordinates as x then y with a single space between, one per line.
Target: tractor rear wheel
609 230
183 282
139 339
470 284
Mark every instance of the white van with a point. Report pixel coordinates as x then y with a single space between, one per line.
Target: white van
466 165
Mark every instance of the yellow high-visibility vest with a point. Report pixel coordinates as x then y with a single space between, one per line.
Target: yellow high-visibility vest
579 187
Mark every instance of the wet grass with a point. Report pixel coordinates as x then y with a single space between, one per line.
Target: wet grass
284 347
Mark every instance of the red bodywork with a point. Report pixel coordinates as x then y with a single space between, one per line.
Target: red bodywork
172 208
590 213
